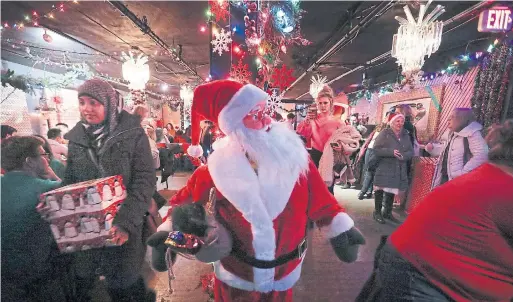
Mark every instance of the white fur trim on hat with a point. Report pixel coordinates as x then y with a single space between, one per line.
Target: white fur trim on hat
239 106
397 115
195 150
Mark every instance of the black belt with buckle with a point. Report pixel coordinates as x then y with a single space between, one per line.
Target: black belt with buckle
297 253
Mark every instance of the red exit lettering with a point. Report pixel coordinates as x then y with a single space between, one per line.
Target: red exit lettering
499 19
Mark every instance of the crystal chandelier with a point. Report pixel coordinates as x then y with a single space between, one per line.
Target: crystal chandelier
417 39
136 70
186 94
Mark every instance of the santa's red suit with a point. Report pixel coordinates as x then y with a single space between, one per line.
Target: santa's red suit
268 219
266 212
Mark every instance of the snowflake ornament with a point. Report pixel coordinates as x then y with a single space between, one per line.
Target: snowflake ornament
219 8
282 77
274 102
221 41
317 85
240 73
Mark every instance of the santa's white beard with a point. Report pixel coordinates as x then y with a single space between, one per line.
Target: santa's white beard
277 152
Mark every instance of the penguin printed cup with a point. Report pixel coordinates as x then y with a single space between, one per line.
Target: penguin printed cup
82 214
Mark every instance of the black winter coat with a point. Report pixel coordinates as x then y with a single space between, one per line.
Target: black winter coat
126 152
392 172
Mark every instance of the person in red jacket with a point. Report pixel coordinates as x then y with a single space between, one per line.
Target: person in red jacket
267 189
457 245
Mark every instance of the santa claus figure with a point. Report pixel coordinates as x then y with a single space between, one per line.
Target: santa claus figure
267 189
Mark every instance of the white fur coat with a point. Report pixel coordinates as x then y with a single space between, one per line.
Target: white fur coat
349 138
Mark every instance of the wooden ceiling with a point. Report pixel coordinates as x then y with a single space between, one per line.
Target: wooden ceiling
96 29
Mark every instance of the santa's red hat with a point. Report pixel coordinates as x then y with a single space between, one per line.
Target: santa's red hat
393 116
225 103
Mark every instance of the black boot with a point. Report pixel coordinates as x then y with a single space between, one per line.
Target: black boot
361 195
368 195
388 200
378 203
135 293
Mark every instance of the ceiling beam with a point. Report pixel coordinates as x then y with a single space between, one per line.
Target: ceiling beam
475 8
65 35
369 17
146 29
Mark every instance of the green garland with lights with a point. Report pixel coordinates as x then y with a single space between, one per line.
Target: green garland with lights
459 66
491 84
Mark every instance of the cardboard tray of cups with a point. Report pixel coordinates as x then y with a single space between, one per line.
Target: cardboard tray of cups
81 214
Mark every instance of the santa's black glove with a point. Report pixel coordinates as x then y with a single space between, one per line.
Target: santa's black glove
346 245
158 251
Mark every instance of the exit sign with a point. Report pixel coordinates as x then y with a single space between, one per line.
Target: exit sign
496 19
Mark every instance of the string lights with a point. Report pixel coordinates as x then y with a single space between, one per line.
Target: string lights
34 18
459 66
260 31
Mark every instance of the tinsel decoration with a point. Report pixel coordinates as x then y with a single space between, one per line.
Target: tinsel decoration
491 84
207 283
138 97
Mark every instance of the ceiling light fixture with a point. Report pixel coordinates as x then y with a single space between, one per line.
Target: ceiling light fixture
416 39
186 94
136 70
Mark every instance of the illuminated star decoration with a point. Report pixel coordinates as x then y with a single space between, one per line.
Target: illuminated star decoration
221 41
317 85
240 73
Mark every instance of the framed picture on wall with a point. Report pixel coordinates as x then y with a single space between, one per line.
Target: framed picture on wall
425 104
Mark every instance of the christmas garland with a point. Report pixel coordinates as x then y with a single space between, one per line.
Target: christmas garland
491 84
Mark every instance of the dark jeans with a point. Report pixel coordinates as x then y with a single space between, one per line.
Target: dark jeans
43 290
368 176
121 266
401 281
316 158
368 182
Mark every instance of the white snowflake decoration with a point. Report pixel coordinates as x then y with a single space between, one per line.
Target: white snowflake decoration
274 102
317 85
221 41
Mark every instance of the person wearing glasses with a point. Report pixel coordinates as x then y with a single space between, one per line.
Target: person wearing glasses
30 266
57 166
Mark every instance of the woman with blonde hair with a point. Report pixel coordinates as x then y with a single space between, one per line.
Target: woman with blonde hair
319 129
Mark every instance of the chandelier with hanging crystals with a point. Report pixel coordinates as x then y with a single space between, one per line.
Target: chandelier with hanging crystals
417 39
135 70
186 94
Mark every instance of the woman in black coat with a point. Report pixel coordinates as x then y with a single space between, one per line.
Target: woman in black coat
110 141
394 149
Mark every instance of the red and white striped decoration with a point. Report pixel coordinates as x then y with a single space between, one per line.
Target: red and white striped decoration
458 92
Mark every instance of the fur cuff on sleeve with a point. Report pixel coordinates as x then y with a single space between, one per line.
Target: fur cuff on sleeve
339 224
166 226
